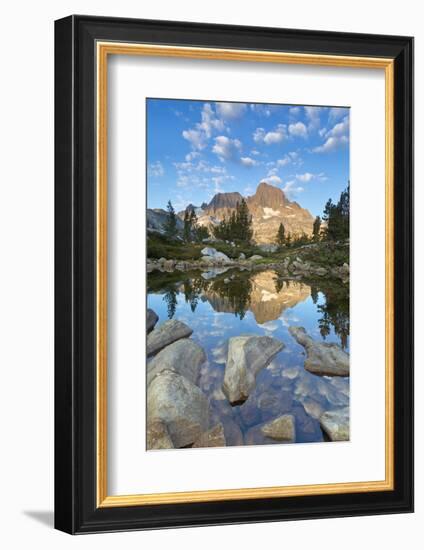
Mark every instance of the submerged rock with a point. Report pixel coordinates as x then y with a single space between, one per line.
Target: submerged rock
151 320
322 358
158 436
214 437
183 357
180 405
336 424
281 429
170 331
247 355
233 434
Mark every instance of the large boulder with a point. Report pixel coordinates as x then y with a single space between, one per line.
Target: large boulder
151 320
180 405
281 428
214 437
336 424
212 255
321 358
158 436
247 355
183 357
168 332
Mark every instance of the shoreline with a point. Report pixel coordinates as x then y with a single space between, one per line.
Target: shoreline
294 268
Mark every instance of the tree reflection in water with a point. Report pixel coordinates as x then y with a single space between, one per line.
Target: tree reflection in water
266 294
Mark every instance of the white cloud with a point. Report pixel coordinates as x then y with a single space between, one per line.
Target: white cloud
226 148
254 152
230 110
269 138
294 110
258 135
156 169
284 161
313 116
331 144
262 110
248 161
196 138
335 138
191 156
336 113
273 180
340 129
292 157
203 130
298 129
209 121
290 188
307 176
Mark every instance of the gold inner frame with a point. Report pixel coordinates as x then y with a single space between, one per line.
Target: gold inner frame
104 49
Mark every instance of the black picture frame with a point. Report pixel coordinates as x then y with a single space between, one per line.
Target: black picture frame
76 510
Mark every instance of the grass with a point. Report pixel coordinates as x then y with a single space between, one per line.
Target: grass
160 246
324 253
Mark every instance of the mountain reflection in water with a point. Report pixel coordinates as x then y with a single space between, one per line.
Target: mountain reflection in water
221 304
264 294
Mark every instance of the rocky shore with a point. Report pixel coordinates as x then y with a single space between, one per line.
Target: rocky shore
181 415
290 266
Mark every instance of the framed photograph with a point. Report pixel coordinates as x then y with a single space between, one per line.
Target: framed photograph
234 269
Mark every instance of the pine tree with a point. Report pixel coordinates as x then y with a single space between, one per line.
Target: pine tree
337 217
202 233
187 227
170 224
281 238
316 229
288 239
244 229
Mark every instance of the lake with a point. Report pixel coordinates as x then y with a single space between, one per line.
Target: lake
222 303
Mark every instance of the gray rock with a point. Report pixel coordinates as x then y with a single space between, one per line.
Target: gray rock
336 424
321 271
322 358
227 281
255 257
183 357
168 332
247 355
281 429
151 320
214 255
242 256
180 405
214 437
158 436
312 407
207 260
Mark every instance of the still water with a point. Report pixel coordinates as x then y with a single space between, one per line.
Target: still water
219 304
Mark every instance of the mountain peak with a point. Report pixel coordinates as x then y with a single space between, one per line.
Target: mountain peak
225 200
268 196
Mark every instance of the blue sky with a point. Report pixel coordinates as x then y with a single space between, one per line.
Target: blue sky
198 148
